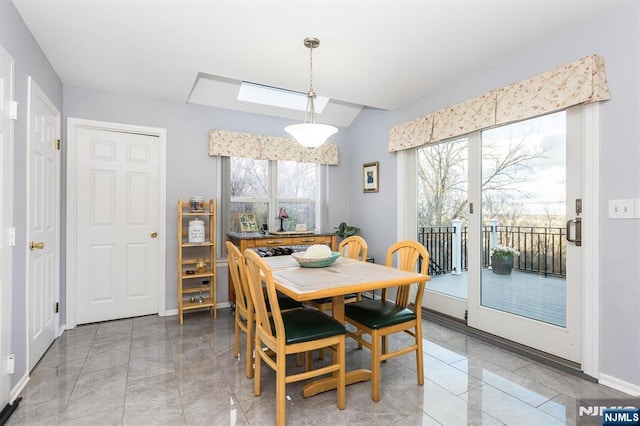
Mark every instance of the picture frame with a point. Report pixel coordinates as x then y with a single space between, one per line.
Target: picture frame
247 222
370 177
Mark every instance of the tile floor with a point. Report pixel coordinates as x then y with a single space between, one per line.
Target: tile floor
150 370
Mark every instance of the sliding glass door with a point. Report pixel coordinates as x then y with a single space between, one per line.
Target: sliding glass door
493 210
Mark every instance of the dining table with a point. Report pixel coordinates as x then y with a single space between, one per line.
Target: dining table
344 276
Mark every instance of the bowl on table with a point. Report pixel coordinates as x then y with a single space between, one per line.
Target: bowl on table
311 262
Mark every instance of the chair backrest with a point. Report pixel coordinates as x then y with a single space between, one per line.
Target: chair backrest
260 280
407 255
356 247
244 302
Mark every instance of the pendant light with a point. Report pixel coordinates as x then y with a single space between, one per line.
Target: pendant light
310 133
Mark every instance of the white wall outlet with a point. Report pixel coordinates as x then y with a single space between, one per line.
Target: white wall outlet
637 208
622 209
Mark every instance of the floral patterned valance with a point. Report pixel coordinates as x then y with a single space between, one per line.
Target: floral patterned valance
582 81
260 147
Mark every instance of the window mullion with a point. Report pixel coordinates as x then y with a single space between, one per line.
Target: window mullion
273 193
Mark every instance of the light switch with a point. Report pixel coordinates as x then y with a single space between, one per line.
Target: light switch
622 209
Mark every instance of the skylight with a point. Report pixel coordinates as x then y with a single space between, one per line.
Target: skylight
274 96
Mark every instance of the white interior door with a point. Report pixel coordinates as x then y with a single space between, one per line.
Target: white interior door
117 211
6 219
43 233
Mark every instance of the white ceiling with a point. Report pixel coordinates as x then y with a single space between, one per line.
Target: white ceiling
374 53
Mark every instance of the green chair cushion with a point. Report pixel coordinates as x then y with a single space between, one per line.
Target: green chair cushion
377 314
285 302
304 325
324 300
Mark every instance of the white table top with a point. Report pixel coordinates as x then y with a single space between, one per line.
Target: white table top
344 276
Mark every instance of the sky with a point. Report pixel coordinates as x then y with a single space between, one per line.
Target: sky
545 185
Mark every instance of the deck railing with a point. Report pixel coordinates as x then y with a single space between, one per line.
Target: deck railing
542 249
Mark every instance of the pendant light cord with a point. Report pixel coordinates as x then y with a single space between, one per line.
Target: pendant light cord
311 110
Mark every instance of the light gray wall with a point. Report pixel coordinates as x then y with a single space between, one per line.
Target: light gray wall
617 39
29 61
190 170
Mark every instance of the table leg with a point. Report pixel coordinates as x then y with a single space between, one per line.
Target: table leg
329 383
337 308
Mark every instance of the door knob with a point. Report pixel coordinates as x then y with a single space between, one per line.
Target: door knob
154 234
35 245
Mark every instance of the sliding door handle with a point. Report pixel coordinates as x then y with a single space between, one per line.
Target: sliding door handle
577 222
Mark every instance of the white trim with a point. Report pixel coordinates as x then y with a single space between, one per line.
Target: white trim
19 387
73 124
591 236
474 223
621 385
6 225
170 313
407 216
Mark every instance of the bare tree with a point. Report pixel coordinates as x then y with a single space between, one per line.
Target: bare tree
248 178
442 177
442 189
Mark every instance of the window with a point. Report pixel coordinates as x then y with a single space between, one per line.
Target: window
263 187
296 193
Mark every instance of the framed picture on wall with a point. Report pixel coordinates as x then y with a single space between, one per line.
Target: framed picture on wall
247 222
370 177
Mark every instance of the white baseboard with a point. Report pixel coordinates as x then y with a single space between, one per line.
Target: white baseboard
618 384
170 312
18 388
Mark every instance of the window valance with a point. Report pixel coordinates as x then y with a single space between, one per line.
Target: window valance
261 147
582 81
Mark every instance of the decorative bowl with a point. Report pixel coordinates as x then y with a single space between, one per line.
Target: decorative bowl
306 262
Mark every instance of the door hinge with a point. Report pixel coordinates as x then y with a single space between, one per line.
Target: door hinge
58 144
11 364
56 308
470 208
14 110
12 237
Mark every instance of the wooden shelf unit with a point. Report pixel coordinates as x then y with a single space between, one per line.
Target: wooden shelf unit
191 284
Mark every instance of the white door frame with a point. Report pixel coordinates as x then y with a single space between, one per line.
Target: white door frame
73 124
407 222
6 227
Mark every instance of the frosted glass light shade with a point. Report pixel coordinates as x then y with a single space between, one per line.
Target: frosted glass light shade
311 135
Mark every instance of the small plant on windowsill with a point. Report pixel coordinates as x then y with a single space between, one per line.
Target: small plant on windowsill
345 230
502 259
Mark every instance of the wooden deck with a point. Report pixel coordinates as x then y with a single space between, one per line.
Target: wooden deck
528 295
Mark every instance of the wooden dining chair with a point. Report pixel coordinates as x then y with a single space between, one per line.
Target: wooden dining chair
245 312
380 318
353 247
292 332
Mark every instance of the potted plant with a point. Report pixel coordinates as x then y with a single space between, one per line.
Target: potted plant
502 259
345 230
